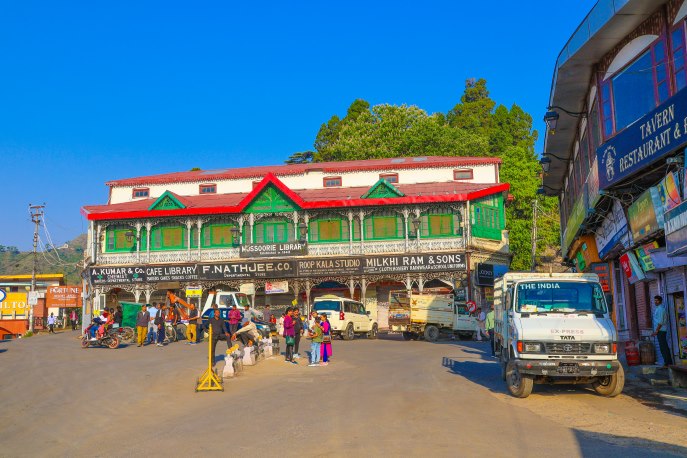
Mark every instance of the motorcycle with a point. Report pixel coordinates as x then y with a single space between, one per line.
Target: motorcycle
109 339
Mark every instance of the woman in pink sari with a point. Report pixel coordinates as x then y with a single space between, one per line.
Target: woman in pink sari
326 349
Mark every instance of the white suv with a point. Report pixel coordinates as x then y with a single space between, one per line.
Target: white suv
346 317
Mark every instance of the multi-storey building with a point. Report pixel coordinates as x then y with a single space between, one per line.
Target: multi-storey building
614 155
359 228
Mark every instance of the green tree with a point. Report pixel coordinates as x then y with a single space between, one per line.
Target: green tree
474 112
303 157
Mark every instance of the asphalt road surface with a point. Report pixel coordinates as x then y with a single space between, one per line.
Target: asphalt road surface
377 398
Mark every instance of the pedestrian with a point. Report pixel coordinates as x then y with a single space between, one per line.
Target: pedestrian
267 314
248 314
152 330
51 324
661 330
298 331
142 321
192 326
118 317
160 325
311 319
289 336
72 318
481 317
216 327
326 347
489 326
248 333
280 324
234 319
316 335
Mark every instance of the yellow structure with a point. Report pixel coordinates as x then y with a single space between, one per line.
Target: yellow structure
209 381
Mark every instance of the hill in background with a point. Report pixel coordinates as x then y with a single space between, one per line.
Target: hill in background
66 260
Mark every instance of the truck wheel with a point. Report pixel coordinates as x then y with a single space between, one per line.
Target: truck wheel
612 385
519 385
348 334
373 333
407 335
431 333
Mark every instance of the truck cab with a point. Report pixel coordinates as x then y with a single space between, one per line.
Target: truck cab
555 328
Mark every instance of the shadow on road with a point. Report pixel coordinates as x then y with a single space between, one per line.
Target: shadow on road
590 446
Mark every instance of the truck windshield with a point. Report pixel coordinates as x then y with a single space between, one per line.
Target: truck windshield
242 300
560 296
327 305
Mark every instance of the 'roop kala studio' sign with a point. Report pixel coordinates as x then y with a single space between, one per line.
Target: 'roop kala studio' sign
643 142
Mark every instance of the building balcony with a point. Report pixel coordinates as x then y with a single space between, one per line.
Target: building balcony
314 250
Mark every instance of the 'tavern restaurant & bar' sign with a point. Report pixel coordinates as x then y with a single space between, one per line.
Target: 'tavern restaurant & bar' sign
643 142
282 268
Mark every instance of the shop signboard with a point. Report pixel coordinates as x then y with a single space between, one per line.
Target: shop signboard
63 296
643 142
668 192
247 288
460 294
602 270
281 268
3 294
630 266
644 256
593 195
194 291
273 250
485 274
574 221
676 230
644 215
613 230
14 303
276 287
681 319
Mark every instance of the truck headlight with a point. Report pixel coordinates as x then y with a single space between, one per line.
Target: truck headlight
532 347
602 348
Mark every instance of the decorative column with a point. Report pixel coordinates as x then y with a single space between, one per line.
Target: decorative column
296 235
138 243
417 236
189 225
350 232
137 294
409 284
406 227
199 225
149 226
351 286
308 286
363 289
361 215
420 283
148 293
251 222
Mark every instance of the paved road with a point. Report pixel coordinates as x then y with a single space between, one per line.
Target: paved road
385 397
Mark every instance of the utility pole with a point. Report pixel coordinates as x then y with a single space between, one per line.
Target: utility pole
36 215
534 235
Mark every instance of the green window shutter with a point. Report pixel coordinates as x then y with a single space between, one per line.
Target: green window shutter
156 238
290 235
258 233
457 230
109 235
144 239
345 231
399 227
194 236
356 229
369 234
207 236
313 233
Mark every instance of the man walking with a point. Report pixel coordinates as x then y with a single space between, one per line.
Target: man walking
217 325
142 321
72 318
267 314
160 325
191 328
234 319
298 331
316 334
51 324
152 329
661 330
489 326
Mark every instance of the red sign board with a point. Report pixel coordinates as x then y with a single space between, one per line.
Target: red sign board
604 273
63 296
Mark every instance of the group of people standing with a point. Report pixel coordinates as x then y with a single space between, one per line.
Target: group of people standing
151 323
485 324
317 328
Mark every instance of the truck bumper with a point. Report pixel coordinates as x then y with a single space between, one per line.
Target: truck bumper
567 368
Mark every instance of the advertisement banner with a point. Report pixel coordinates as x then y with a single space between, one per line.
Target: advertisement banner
247 288
668 192
645 219
681 319
63 296
485 274
613 230
276 287
676 230
644 256
576 217
14 302
593 195
271 250
631 268
194 291
643 142
603 271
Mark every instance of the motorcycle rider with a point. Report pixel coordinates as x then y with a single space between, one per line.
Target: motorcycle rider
97 322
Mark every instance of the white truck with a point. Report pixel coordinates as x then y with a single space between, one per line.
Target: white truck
428 316
555 328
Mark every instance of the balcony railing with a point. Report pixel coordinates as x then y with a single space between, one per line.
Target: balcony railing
318 250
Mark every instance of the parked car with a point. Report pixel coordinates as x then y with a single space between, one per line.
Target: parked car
346 316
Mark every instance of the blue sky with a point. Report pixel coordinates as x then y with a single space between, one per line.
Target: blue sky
92 92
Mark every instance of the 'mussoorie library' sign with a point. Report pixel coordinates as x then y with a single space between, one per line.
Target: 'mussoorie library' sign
643 142
284 268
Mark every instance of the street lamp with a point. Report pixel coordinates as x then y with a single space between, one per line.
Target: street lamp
303 230
551 120
545 164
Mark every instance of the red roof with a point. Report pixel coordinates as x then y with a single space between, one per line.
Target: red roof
299 169
305 199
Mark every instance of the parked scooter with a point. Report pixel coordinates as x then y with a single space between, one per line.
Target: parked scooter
109 339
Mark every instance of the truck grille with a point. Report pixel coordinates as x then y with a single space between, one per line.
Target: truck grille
565 348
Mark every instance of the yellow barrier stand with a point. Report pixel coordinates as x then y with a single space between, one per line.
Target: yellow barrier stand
209 381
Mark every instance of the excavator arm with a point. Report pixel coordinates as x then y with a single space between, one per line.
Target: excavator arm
182 305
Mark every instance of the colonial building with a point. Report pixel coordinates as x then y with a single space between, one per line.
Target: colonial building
614 155
359 228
